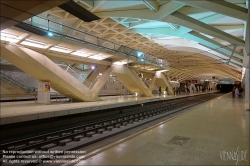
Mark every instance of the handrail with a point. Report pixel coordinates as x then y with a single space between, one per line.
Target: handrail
16 94
93 83
73 73
60 29
17 84
67 97
137 73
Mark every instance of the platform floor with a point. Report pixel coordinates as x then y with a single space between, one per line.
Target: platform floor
201 136
14 112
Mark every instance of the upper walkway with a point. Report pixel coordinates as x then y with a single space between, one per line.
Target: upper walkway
14 112
201 136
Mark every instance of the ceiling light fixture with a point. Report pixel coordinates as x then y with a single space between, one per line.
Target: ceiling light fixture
97 57
80 53
9 37
50 34
34 43
61 49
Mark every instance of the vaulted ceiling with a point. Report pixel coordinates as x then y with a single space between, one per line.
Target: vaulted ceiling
199 39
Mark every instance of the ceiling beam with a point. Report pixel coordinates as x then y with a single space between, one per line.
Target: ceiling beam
222 53
98 4
88 3
195 36
176 18
152 5
12 12
189 22
221 7
147 14
229 27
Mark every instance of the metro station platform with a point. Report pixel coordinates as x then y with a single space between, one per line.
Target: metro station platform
14 112
204 135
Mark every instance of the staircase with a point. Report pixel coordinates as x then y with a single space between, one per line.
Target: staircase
17 84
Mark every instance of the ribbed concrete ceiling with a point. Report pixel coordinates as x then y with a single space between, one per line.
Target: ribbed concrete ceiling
196 37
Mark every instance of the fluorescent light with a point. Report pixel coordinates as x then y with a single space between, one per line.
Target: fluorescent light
120 63
9 37
97 57
139 53
61 49
34 43
162 70
100 74
92 67
80 53
50 34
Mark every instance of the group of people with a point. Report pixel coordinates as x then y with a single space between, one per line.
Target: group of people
237 93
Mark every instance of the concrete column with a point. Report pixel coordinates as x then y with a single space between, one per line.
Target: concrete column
43 95
152 83
101 81
131 80
162 82
42 68
246 83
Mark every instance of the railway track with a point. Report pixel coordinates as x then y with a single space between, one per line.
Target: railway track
84 135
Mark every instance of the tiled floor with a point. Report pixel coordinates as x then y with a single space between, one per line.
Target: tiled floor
218 126
13 112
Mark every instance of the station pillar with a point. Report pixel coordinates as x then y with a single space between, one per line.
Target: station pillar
43 95
247 82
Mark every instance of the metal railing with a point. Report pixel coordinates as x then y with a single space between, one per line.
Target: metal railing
17 96
75 35
57 96
124 93
17 84
144 81
73 73
93 83
68 94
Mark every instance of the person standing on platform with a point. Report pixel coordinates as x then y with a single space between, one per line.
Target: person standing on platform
236 92
233 92
159 91
167 90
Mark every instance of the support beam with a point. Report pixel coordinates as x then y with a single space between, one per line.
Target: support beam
171 32
233 51
131 80
195 36
98 4
161 81
222 7
42 68
152 83
222 53
95 72
152 5
189 22
101 81
146 14
88 3
14 10
175 18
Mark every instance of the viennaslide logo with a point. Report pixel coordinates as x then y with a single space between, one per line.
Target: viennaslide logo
234 155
